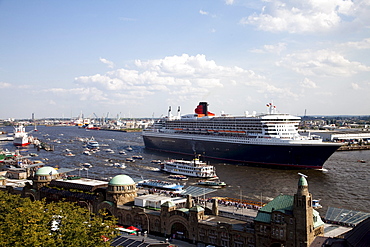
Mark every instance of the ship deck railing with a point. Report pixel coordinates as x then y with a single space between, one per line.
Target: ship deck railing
247 139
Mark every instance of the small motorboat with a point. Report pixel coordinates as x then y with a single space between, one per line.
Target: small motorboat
178 177
86 165
70 154
122 152
212 183
120 165
137 157
156 161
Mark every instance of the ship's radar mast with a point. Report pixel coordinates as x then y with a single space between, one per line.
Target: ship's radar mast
169 112
178 112
271 108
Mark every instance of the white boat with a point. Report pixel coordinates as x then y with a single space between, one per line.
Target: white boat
129 148
70 154
21 137
86 165
212 183
86 152
122 152
160 185
110 151
119 165
178 177
92 143
156 161
316 204
193 168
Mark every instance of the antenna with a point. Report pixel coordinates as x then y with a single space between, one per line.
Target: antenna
301 174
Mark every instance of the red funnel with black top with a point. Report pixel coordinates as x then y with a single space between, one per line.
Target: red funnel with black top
202 110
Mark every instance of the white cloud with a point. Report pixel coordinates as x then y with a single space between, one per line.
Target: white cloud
229 2
307 83
203 12
321 63
5 85
355 86
277 49
360 45
107 62
182 77
306 16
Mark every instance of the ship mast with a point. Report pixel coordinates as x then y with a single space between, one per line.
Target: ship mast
271 108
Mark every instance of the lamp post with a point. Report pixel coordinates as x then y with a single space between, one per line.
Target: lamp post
147 218
241 202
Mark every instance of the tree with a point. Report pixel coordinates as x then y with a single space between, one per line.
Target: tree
27 223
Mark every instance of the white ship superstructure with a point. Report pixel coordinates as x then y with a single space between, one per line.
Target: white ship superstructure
193 168
21 137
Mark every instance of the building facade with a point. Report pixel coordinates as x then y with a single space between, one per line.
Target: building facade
285 221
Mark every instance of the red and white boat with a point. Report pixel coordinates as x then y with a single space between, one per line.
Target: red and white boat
21 137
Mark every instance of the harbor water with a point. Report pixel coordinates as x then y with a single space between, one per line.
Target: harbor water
343 183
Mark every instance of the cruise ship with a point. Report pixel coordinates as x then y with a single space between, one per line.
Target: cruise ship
269 139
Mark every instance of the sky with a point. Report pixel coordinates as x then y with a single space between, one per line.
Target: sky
121 58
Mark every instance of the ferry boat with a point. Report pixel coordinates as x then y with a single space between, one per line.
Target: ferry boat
164 185
21 137
269 139
211 183
92 143
193 168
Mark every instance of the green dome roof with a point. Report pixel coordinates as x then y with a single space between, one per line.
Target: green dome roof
121 180
43 171
302 181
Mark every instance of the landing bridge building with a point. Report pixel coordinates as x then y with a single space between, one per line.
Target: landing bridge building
285 221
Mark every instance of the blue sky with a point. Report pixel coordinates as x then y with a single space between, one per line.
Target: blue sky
136 58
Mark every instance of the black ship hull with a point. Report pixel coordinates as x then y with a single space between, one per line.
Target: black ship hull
312 156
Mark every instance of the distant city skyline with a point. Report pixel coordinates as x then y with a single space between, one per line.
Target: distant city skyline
137 58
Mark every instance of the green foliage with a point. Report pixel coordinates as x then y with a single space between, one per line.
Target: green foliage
27 223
